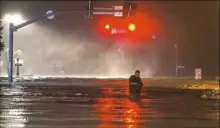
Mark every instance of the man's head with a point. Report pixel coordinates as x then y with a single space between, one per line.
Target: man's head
137 73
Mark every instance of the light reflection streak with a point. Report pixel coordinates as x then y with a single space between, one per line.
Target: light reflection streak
113 110
11 115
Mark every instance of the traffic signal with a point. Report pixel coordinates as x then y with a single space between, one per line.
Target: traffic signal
107 26
131 27
1 32
89 8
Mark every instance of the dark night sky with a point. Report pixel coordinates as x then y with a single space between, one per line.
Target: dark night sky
194 25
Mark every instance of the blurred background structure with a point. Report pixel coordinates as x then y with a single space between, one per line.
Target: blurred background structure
71 44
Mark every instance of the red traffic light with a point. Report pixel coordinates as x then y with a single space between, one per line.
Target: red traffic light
131 27
107 26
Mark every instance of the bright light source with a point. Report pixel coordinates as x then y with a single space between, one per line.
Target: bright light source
107 26
131 27
15 19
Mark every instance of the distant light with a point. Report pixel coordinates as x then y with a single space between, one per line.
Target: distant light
131 27
153 36
107 26
175 46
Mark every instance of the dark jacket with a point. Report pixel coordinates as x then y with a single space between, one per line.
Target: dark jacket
135 79
135 89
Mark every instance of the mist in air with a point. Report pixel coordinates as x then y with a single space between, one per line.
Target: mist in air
49 52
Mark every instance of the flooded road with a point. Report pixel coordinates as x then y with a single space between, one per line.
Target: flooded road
106 106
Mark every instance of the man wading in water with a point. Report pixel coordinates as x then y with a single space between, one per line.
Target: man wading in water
135 84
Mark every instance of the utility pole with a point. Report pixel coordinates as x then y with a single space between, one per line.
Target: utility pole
1 47
176 60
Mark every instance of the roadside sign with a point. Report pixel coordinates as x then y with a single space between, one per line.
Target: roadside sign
51 15
198 73
118 14
103 13
180 66
54 63
19 62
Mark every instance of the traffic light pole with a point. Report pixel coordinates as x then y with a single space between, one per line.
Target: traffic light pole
13 28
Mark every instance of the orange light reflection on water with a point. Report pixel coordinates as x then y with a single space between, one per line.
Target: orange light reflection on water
115 112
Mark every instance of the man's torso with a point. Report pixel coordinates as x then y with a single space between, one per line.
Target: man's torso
137 87
135 79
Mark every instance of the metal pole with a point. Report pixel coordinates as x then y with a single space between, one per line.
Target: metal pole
10 53
176 59
89 13
17 67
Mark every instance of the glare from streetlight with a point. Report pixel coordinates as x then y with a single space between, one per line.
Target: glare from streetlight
16 19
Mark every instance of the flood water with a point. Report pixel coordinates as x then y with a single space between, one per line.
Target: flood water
103 106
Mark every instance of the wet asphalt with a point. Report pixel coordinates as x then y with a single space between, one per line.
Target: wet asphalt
103 106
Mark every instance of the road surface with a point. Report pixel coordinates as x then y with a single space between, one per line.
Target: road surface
103 106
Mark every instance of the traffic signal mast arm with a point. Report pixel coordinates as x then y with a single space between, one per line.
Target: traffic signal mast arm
128 8
59 12
13 28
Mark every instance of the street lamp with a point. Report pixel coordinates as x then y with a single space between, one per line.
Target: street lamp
16 22
15 19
